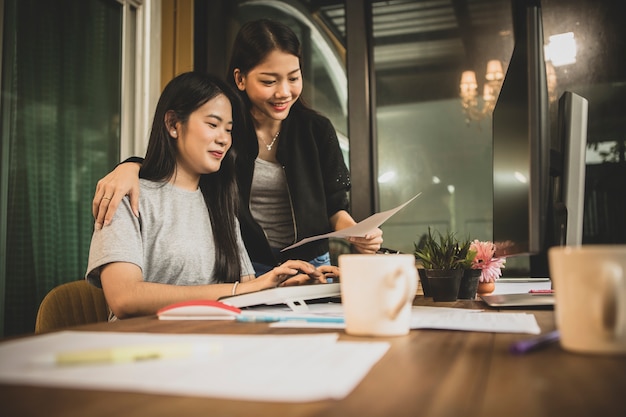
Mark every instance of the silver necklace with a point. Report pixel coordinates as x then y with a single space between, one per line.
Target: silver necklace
269 147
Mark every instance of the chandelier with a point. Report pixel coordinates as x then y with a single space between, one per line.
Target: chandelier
476 108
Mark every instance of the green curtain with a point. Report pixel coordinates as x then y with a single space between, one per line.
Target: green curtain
61 97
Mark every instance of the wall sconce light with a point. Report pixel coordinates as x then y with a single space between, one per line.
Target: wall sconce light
491 90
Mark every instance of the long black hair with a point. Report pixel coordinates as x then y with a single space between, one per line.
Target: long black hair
181 97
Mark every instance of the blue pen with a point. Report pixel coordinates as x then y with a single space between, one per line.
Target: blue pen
272 319
527 345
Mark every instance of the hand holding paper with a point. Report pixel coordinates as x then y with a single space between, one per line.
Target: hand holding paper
360 229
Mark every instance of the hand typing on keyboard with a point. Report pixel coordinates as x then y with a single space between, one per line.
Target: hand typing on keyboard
328 274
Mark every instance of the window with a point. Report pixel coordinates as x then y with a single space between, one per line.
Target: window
65 65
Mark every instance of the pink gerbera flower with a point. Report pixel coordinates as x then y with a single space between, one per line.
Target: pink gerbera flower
486 261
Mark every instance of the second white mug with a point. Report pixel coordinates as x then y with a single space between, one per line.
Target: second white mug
590 297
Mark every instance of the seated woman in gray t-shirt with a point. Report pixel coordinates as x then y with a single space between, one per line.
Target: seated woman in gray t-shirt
185 241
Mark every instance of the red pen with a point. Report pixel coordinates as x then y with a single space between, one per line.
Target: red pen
541 291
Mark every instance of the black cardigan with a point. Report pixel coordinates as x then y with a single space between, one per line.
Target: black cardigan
317 178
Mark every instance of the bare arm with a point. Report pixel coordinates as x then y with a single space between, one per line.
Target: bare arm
111 189
128 295
367 244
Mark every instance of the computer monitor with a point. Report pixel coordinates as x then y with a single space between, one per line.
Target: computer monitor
521 140
573 119
537 182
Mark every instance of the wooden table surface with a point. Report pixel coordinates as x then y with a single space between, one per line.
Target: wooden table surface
427 373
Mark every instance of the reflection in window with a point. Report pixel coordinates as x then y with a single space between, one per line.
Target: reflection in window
601 152
420 52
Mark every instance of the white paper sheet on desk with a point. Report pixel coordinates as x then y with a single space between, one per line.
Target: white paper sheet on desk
478 322
289 368
360 229
426 317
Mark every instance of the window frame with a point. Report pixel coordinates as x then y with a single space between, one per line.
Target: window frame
141 60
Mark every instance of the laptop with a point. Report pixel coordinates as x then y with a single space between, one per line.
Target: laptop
519 300
295 297
520 293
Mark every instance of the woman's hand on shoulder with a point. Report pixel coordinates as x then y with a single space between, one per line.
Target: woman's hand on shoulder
110 190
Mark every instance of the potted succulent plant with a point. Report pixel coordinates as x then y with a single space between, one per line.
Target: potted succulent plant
443 259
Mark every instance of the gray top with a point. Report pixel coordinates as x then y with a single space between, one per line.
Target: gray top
270 205
172 241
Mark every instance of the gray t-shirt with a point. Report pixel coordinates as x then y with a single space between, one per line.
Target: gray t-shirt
172 241
270 205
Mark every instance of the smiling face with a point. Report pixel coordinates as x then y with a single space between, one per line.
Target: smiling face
202 142
273 86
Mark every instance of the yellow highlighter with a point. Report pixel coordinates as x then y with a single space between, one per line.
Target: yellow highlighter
123 354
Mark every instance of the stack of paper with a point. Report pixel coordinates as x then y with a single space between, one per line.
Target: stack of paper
330 316
422 317
260 367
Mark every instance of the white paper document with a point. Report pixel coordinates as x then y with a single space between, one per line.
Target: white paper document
287 368
360 229
479 321
422 317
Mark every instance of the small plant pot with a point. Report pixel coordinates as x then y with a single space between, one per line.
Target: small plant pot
469 284
424 281
444 283
486 288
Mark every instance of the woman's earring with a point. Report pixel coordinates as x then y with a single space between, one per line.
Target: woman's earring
173 133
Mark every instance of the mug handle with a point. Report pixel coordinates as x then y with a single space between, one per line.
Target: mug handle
613 300
390 281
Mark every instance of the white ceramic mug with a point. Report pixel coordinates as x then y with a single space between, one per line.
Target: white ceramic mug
377 293
589 284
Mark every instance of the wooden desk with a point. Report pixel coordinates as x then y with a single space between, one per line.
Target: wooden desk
427 373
